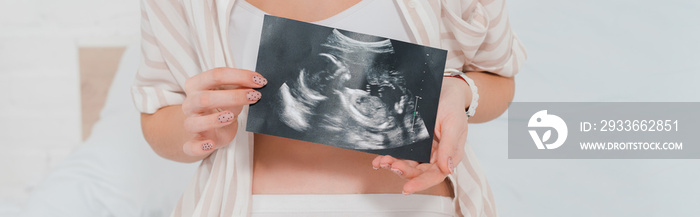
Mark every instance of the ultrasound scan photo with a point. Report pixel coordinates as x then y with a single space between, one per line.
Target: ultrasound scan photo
347 89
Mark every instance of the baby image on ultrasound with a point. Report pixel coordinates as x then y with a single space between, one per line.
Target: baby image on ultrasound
380 114
346 89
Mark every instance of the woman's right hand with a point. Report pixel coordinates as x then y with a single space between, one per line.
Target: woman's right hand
214 100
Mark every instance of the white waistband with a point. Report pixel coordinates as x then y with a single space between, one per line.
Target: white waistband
352 205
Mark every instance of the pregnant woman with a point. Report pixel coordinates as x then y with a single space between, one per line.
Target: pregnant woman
197 78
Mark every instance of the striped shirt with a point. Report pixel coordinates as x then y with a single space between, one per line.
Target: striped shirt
181 38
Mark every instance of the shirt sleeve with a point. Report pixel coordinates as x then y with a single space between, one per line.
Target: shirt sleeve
155 86
501 52
480 30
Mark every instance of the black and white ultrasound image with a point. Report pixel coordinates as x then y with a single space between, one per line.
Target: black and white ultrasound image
347 89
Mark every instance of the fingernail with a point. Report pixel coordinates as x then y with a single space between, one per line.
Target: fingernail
451 165
207 146
375 168
254 95
226 117
397 171
385 166
404 193
259 80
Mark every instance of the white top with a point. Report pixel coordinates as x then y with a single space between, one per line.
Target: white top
365 205
372 17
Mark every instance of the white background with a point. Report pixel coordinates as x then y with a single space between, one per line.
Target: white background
599 51
39 80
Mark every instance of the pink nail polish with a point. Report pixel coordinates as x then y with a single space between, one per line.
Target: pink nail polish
254 95
451 165
207 146
226 117
259 80
397 171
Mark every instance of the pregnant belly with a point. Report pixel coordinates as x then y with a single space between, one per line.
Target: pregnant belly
286 166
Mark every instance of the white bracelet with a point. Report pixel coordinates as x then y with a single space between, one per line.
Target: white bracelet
475 91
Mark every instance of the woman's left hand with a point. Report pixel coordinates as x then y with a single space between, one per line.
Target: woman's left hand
448 141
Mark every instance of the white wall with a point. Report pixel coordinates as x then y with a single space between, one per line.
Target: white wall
598 51
39 80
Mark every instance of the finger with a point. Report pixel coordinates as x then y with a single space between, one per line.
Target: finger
386 161
406 169
434 149
427 179
452 132
459 153
224 76
375 162
198 147
197 124
208 100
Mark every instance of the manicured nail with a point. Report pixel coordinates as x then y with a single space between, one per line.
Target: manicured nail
259 80
451 165
385 166
226 117
375 168
404 193
207 146
254 95
397 171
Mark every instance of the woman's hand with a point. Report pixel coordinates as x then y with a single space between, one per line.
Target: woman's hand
448 142
214 100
